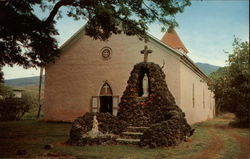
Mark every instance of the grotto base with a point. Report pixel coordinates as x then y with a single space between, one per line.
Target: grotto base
147 115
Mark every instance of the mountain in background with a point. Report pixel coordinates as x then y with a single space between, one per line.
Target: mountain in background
23 81
207 68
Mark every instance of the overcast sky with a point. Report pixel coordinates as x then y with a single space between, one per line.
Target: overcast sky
207 28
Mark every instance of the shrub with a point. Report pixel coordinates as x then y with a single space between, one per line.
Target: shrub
240 123
5 91
13 108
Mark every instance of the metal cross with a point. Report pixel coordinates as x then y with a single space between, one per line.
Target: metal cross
146 52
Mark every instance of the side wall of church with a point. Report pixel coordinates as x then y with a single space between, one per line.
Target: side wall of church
196 99
170 65
80 72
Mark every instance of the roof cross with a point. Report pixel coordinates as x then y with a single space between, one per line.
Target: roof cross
146 52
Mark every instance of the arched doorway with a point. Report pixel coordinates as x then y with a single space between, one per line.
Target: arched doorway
106 99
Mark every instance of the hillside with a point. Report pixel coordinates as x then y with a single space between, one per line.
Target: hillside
207 68
23 81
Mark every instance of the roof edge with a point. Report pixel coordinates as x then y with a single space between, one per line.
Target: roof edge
184 57
190 63
73 38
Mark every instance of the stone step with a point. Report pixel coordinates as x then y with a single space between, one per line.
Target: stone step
137 127
128 140
132 133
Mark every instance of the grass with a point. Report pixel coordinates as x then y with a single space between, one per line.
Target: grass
30 135
244 132
33 135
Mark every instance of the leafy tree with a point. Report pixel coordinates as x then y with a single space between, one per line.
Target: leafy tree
216 83
5 91
28 41
231 83
1 75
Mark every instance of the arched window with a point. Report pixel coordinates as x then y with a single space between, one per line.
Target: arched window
106 90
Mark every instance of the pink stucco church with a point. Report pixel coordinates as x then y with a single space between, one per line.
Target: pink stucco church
91 75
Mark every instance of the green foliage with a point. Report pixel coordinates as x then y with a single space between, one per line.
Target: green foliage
23 35
231 83
12 108
30 99
32 92
1 75
5 91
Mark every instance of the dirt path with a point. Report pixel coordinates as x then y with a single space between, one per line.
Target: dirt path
244 143
217 144
212 151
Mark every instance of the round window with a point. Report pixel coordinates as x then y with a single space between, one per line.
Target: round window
106 53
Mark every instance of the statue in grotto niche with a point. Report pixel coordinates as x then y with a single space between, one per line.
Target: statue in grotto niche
145 86
145 81
166 122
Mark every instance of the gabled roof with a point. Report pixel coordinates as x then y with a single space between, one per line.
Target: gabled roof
172 39
183 56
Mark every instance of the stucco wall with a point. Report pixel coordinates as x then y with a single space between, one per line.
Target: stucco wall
198 105
81 71
171 67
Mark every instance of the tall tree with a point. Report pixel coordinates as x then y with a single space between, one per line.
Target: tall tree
28 41
231 83
1 75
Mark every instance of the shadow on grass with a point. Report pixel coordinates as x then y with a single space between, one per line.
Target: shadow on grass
30 135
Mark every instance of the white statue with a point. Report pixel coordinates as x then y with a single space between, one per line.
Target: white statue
145 85
94 132
95 124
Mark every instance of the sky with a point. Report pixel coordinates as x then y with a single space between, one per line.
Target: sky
207 28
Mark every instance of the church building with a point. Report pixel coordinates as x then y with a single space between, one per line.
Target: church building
91 75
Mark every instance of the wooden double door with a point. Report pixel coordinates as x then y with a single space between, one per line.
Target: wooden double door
106 104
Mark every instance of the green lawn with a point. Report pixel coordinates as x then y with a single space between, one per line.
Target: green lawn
32 135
